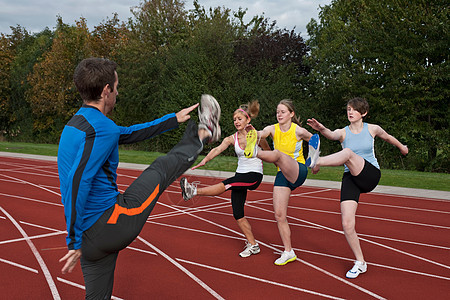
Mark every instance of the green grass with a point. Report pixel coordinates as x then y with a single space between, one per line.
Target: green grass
410 179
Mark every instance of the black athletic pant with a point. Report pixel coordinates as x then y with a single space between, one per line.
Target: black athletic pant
122 223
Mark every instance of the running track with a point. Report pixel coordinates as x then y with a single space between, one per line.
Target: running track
190 250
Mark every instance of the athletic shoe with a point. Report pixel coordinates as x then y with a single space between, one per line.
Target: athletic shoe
285 258
209 116
313 152
188 190
249 250
358 268
251 148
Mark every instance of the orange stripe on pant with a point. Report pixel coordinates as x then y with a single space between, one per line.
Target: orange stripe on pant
118 210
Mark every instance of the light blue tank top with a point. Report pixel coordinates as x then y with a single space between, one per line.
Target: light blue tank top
362 144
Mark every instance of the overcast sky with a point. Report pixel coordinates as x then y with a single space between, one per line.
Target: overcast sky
35 15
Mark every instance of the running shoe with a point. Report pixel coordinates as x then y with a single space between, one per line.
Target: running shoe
209 116
188 190
251 147
313 152
285 258
250 249
358 268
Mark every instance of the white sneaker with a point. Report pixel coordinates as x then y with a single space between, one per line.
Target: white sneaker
286 257
188 190
358 268
249 250
313 151
209 116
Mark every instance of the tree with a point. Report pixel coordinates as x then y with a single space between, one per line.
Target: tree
397 59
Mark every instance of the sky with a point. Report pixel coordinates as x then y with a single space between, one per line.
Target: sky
35 15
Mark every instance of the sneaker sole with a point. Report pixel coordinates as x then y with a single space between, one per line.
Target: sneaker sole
288 261
314 144
182 185
210 102
251 142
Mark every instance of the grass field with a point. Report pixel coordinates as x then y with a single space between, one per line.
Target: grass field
400 178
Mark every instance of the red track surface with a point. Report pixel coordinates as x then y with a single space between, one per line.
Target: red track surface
190 250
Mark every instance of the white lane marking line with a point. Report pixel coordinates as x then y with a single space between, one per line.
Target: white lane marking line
260 279
186 271
41 262
18 265
71 283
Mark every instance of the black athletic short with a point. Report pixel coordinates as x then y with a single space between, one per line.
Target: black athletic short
366 181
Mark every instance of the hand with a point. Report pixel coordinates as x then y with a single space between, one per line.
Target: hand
404 150
315 170
249 127
315 124
183 115
71 259
201 164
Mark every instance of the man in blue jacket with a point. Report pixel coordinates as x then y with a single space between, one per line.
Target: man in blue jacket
100 220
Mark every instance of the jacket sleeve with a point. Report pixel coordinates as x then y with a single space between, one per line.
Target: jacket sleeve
140 132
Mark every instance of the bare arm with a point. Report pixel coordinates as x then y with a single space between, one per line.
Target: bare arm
338 134
302 134
264 145
216 151
267 131
376 130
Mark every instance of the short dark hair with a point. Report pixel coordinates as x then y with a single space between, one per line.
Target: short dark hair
92 75
359 104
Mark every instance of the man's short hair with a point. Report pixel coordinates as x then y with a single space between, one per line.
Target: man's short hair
92 75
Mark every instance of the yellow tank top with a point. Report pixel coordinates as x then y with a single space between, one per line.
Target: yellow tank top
287 142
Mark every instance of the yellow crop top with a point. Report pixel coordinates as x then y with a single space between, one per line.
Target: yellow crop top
287 142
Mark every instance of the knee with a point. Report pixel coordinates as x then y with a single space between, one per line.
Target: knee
348 153
348 225
277 154
280 217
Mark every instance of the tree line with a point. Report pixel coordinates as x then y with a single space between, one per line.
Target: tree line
393 53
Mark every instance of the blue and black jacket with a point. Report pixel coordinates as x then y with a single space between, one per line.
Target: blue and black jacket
88 157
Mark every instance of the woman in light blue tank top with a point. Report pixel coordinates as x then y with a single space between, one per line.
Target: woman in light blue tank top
362 172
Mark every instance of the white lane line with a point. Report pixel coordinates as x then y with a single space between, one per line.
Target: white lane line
259 279
31 199
302 261
369 217
366 240
186 271
41 262
18 265
71 283
308 195
370 263
30 183
31 237
299 250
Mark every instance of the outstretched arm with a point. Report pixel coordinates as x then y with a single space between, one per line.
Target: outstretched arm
335 135
216 151
376 130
